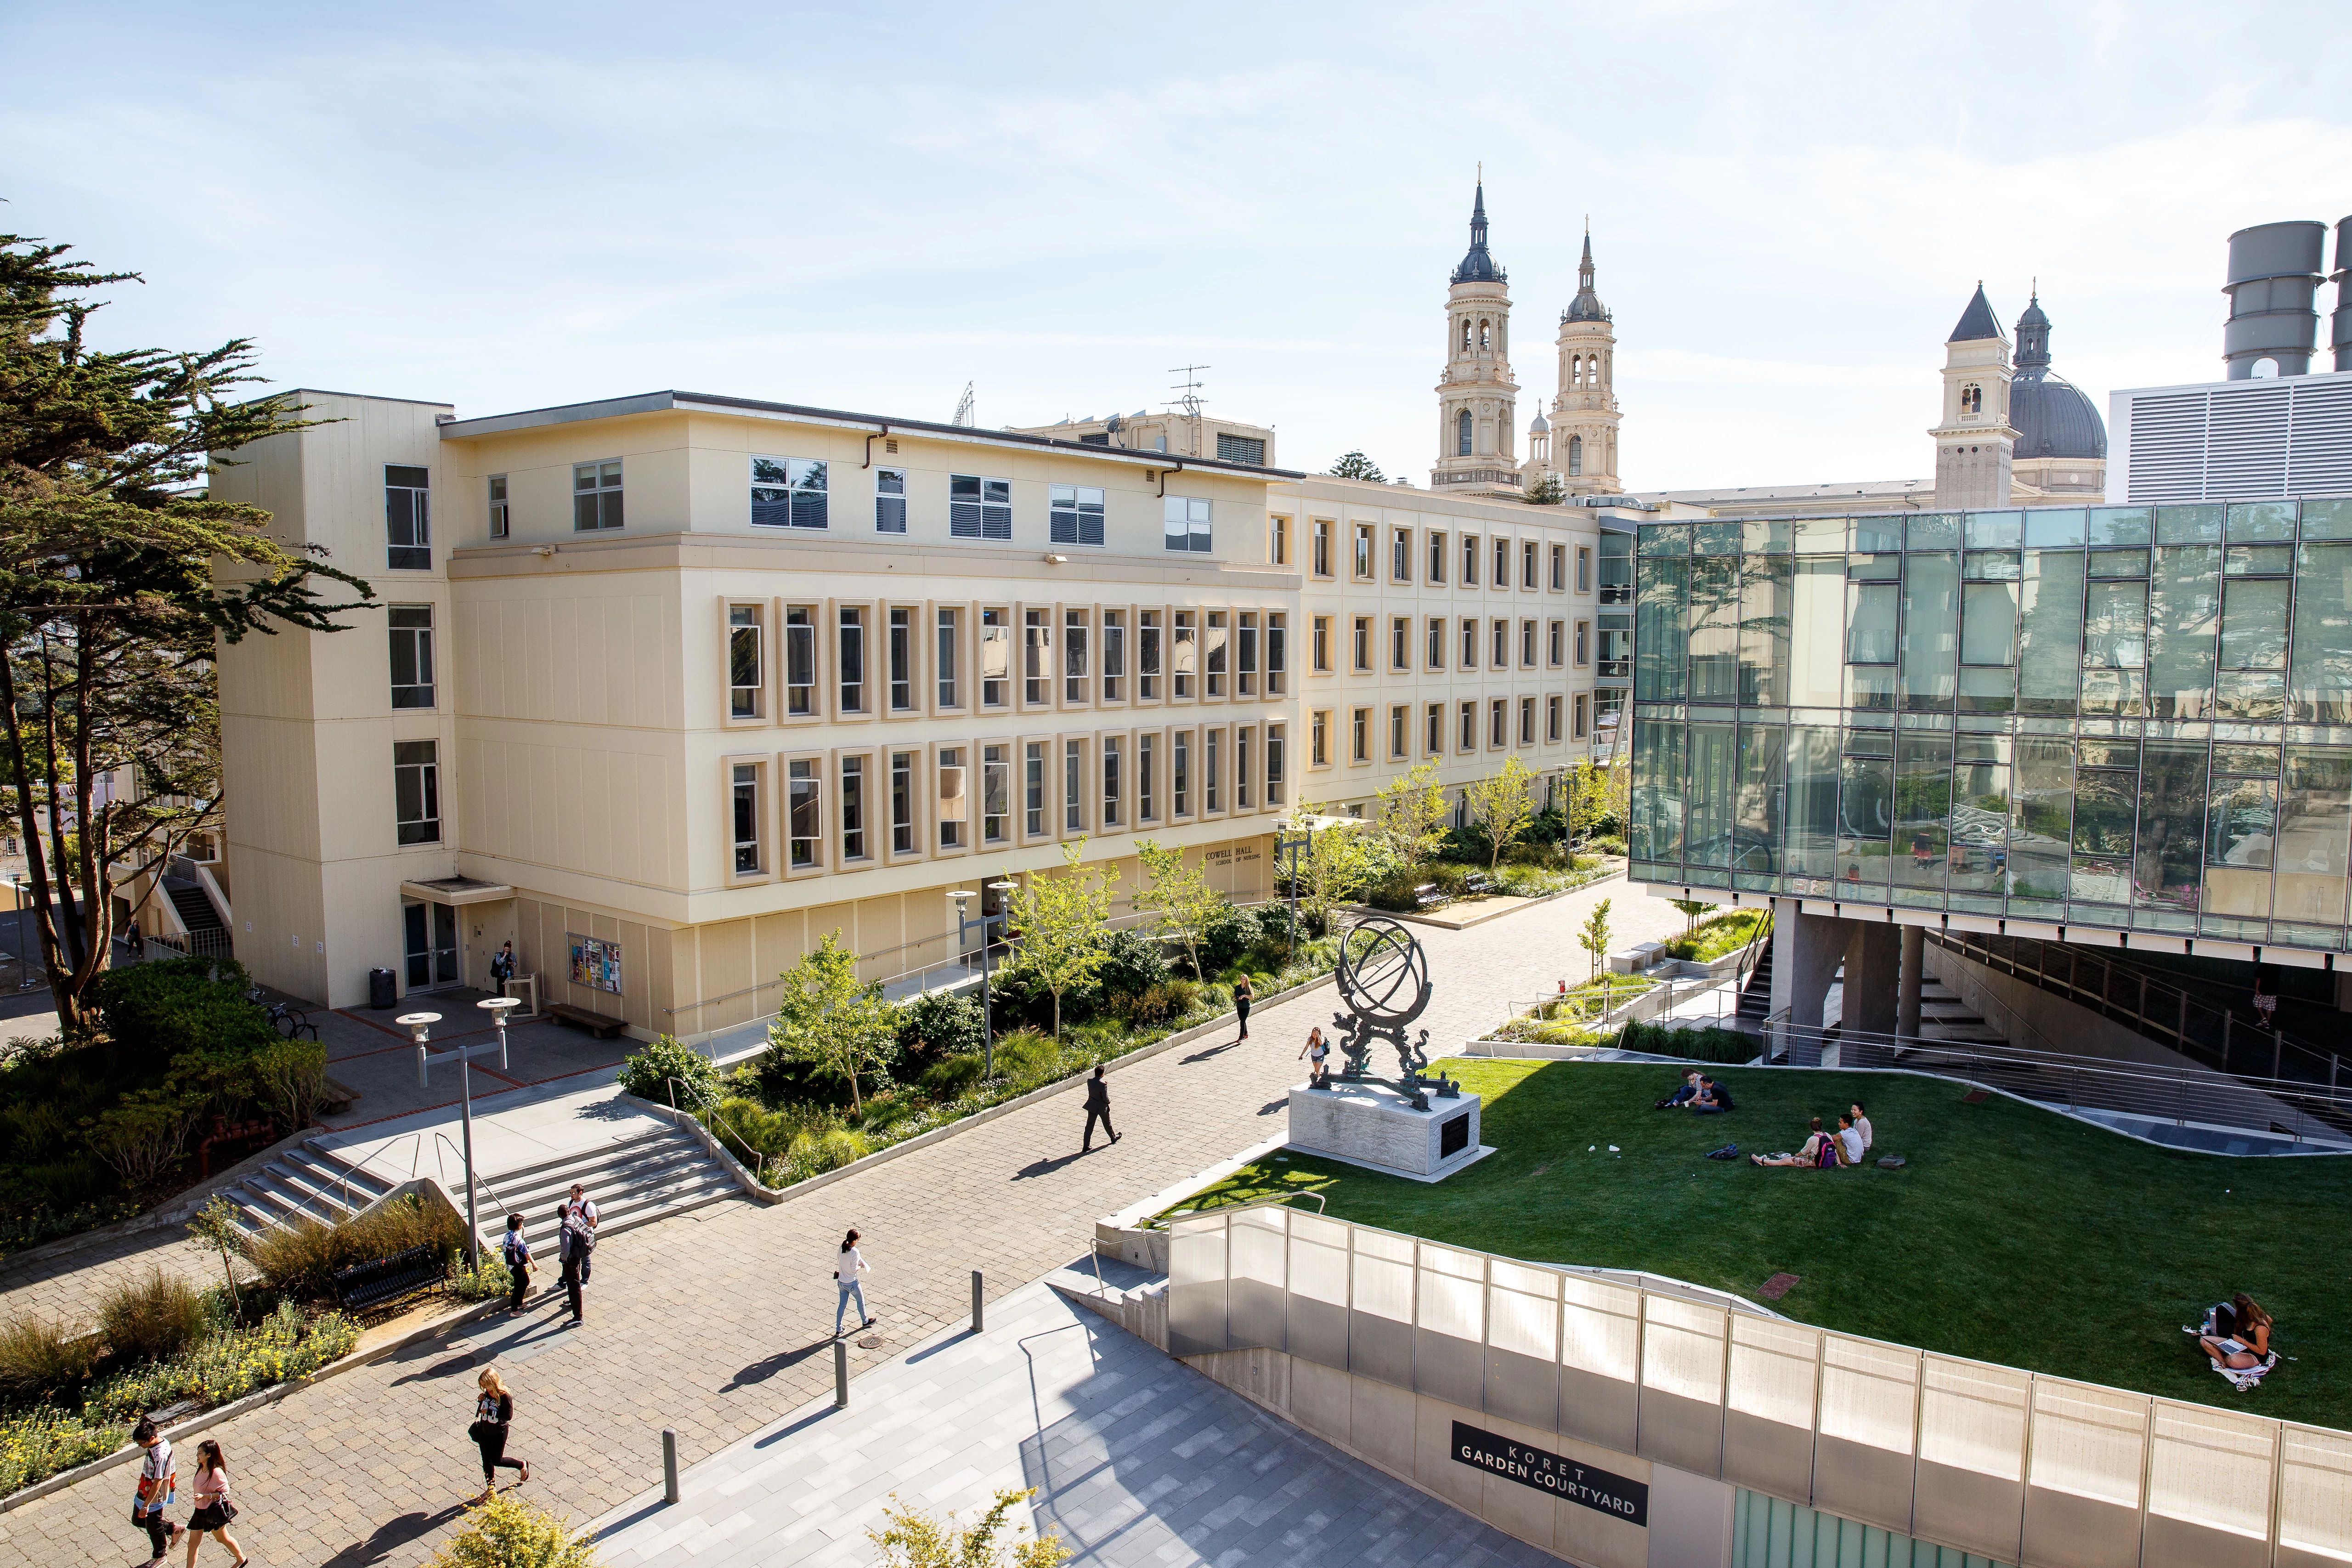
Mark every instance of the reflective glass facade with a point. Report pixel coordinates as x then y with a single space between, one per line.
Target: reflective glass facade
2133 717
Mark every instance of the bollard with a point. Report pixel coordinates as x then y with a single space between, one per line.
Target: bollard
841 1374
669 1464
976 1318
420 1068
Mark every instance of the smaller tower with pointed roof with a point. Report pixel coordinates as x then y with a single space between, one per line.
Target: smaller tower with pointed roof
1476 397
1583 430
1975 443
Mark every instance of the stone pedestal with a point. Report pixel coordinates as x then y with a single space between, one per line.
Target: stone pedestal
1374 1125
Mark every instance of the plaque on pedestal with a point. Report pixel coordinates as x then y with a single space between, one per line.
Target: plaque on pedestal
1374 1124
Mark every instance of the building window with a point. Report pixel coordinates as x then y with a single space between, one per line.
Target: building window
1401 556
1551 718
1074 515
953 774
1583 570
1399 642
1434 730
1469 643
1556 645
1147 759
744 675
1218 657
1469 736
1277 653
1580 716
1498 717
416 791
408 517
1249 449
1559 568
788 492
1187 655
995 657
1114 656
412 655
1575 454
1469 560
1033 789
1322 547
1318 739
1461 427
1077 654
1278 737
1241 767
1436 650
995 795
499 515
1583 643
1074 783
1211 798
803 813
1036 649
1502 563
1527 564
1322 637
1528 644
1363 552
1187 519
1361 736
800 662
901 654
979 507
1245 654
1179 772
1437 559
853 659
1527 720
1397 723
746 791
949 646
853 808
1111 782
1277 540
1500 651
889 500
1364 645
595 496
1147 655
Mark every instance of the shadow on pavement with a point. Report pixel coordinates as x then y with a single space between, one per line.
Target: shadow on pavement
1045 1167
1202 1056
392 1535
768 1366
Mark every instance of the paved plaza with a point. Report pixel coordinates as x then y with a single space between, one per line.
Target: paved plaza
719 1321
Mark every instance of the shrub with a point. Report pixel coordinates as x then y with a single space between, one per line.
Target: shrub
1721 1046
151 1316
950 1078
156 1013
1162 1004
1230 933
42 1358
301 1259
1133 964
1608 844
42 1441
508 1533
915 1538
647 1073
813 1154
1026 1054
145 1136
784 1081
936 1026
486 1283
289 1078
229 1364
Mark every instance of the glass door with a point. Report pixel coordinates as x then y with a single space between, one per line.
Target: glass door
430 938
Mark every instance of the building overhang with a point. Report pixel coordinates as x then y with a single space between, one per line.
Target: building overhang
457 890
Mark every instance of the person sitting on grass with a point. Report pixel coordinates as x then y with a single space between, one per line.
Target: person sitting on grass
1683 1096
1861 1125
1848 1141
1713 1100
1810 1156
2237 1334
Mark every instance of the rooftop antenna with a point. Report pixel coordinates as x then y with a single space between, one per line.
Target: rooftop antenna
963 408
1188 390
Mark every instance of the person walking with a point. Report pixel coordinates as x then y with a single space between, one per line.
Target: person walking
1241 1003
214 1511
157 1482
572 1253
516 1247
1097 1110
493 1415
845 1270
1318 1055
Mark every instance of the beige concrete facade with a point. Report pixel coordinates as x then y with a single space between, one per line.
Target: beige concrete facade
667 687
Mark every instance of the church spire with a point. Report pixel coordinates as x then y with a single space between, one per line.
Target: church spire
1478 265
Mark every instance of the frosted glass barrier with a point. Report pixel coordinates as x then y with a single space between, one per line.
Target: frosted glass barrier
1862 1463
1521 1322
2208 1488
2315 1497
1196 1285
1681 1349
1768 1436
1452 1300
1319 1259
1601 1327
1257 1242
1256 1302
1383 1282
2083 1479
1970 1486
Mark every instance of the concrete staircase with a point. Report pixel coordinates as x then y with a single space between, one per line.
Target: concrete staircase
306 1182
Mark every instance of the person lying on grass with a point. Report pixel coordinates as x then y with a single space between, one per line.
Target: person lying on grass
1819 1150
1683 1096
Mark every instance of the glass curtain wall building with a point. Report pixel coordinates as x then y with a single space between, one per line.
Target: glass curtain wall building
2137 718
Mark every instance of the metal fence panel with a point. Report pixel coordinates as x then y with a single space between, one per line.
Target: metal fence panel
1600 1362
1523 1344
1449 1354
1682 1384
2082 1477
1196 1285
1971 1483
1767 1418
1257 1293
1318 1325
2208 1488
1380 1323
2315 1497
1870 1412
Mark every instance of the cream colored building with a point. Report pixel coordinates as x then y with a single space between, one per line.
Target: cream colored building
664 688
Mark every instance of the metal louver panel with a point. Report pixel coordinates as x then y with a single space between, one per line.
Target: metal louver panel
2245 443
2319 448
2168 448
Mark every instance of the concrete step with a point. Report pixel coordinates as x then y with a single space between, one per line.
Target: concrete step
630 1183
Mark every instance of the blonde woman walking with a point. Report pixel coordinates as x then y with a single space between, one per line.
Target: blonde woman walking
214 1511
493 1414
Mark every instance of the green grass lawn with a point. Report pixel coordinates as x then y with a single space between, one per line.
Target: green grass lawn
2015 1234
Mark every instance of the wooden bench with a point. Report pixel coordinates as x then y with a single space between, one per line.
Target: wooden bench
1429 896
596 1024
366 1286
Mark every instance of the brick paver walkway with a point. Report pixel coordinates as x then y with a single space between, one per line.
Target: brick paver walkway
716 1322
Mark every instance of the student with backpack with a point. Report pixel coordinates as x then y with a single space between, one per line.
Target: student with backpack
518 1254
158 1480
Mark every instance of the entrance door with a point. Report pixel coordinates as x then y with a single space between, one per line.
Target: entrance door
431 938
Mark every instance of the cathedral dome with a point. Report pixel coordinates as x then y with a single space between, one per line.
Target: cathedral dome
2052 416
1539 426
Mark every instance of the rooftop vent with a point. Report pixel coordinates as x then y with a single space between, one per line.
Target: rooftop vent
2273 324
2340 333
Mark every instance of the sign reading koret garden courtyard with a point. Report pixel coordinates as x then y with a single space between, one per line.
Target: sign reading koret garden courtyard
1545 1472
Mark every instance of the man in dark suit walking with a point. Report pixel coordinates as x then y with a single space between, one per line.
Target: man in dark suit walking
1097 1110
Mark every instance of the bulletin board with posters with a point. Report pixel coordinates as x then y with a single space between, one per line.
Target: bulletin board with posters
596 963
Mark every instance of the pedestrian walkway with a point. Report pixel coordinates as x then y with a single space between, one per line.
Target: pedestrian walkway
716 1320
1137 1459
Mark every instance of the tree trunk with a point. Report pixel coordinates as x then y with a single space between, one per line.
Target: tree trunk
1057 1017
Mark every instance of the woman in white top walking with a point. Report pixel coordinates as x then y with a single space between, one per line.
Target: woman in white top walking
852 1263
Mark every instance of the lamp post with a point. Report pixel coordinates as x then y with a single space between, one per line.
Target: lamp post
420 1026
1290 844
961 897
499 1007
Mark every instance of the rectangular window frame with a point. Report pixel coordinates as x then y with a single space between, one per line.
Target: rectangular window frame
746 661
1189 524
890 500
786 492
416 793
408 517
411 629
1073 516
500 513
980 506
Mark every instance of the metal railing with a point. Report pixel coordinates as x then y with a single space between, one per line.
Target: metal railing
1668 995
2017 1466
701 1108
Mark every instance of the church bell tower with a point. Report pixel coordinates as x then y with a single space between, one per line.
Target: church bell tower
1584 418
1476 398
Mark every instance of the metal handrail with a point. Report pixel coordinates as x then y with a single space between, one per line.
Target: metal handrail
343 1179
498 1203
759 1159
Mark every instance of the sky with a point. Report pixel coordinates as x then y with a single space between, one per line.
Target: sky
504 206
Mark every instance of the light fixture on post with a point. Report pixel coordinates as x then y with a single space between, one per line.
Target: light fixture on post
499 1007
961 899
1290 844
420 1026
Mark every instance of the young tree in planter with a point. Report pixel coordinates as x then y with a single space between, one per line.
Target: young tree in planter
215 1225
1593 937
1180 895
1501 806
1691 909
117 581
1410 816
1060 924
1346 857
835 1024
1588 800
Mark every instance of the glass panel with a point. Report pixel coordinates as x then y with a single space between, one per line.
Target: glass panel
2255 522
2326 518
2050 631
1811 835
1931 586
1661 628
2055 530
2114 648
2041 817
2319 683
2251 694
1714 629
1817 632
1933 530
1713 763
1865 816
1762 536
2118 525
2240 829
1871 623
2314 832
2258 560
2184 612
2254 624
1821 535
1993 530
2104 803
1877 533
1656 539
1978 858
1923 808
1763 789
2188 525
1989 623
2118 563
1657 785
2170 841
1765 593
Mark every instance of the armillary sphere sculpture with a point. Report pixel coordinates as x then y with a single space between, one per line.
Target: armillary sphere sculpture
1383 978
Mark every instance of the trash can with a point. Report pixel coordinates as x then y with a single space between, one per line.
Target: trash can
383 989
